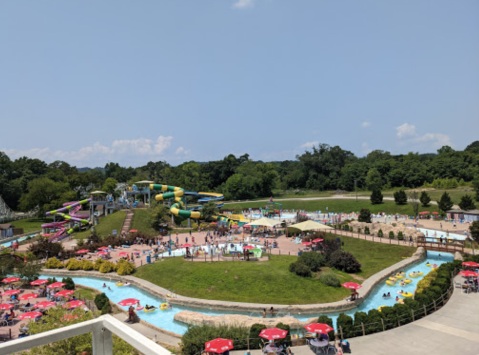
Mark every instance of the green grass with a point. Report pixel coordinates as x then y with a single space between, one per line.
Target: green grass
140 222
85 293
31 224
337 205
105 226
268 281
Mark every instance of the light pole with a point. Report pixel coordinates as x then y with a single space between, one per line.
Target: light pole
356 188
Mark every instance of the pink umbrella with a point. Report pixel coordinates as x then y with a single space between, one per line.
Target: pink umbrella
56 285
64 293
83 251
74 304
318 328
30 315
11 292
102 253
123 253
10 279
129 302
28 296
219 345
5 306
273 333
234 226
352 285
249 247
133 231
306 243
318 240
44 304
103 248
186 245
38 282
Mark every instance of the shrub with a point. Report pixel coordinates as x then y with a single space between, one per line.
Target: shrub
359 230
193 341
400 197
101 300
300 269
425 199
400 236
53 263
106 267
98 264
391 235
364 215
346 227
326 320
360 317
367 231
374 322
125 267
313 260
376 197
329 246
287 328
69 284
254 338
86 265
380 233
73 264
344 261
330 279
346 323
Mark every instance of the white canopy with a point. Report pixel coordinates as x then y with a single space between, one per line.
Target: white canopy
309 225
265 222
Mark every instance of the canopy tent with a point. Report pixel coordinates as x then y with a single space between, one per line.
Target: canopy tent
265 222
145 182
309 225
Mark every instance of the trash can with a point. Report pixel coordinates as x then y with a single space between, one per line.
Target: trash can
148 259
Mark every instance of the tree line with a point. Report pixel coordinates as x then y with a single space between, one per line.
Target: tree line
26 183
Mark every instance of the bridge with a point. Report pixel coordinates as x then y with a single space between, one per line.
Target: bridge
446 246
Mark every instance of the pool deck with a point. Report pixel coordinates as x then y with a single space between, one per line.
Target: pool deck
454 329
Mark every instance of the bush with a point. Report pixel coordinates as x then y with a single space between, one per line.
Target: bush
101 300
98 264
193 341
346 323
400 197
86 265
359 230
287 328
69 284
391 235
125 267
313 260
367 231
346 227
364 215
54 263
326 320
300 269
330 279
254 338
380 233
73 264
376 197
344 261
106 267
360 317
400 236
329 246
425 199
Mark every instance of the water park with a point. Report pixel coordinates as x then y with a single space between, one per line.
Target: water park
227 267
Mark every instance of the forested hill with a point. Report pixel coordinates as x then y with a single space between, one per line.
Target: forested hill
323 167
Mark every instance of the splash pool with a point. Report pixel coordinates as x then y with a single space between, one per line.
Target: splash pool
433 235
9 243
165 319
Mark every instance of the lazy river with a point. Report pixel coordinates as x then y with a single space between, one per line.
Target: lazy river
165 319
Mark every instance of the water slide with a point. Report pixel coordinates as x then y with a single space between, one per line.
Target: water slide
178 208
72 208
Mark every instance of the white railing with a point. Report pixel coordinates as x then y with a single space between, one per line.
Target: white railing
101 328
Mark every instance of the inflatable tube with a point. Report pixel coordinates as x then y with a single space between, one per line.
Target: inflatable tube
392 278
428 264
164 306
408 281
399 276
149 310
407 294
380 308
390 283
119 284
127 284
139 308
401 301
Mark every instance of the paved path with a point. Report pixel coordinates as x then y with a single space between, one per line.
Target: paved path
454 329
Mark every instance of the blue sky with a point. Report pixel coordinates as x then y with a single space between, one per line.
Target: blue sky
95 81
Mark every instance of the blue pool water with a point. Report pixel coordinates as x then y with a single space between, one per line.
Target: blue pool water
8 244
432 235
164 319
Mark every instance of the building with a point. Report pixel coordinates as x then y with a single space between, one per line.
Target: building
6 230
467 216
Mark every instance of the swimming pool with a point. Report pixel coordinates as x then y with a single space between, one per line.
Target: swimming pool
211 249
283 216
432 235
9 243
165 319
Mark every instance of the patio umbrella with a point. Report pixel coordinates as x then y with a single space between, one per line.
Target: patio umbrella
74 304
11 292
234 226
129 302
424 212
56 285
103 248
219 345
186 245
248 247
123 253
318 328
5 306
64 293
467 273
30 315
318 240
83 251
39 282
102 253
352 285
435 212
133 231
470 264
10 279
28 296
273 333
213 224
306 243
44 304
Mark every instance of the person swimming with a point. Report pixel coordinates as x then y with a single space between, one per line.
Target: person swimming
104 285
389 294
397 298
384 295
149 307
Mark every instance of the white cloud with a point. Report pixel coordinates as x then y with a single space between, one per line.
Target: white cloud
100 154
365 148
405 130
182 150
365 124
434 139
309 145
243 4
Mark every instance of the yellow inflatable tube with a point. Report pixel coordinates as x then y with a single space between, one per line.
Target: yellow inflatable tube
408 281
149 310
119 284
380 308
390 283
164 306
407 294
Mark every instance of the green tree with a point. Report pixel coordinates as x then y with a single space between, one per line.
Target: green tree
30 270
158 215
414 202
364 215
209 210
425 199
475 185
467 203
109 186
445 203
374 180
400 197
474 229
376 197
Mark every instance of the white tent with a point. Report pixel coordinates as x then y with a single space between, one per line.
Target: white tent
309 225
265 222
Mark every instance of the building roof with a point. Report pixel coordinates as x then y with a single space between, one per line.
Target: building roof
473 212
6 226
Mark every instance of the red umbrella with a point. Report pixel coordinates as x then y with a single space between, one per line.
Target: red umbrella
64 293
435 212
102 253
186 245
352 285
249 247
470 263
424 212
123 253
219 345
38 282
10 279
83 251
30 315
11 292
103 248
234 226
5 306
469 273
56 285
44 304
69 317
28 296
306 243
318 328
318 240
74 304
133 231
213 224
273 333
129 302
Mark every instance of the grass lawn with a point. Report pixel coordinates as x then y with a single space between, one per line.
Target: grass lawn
85 293
31 224
336 205
140 222
105 226
269 281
